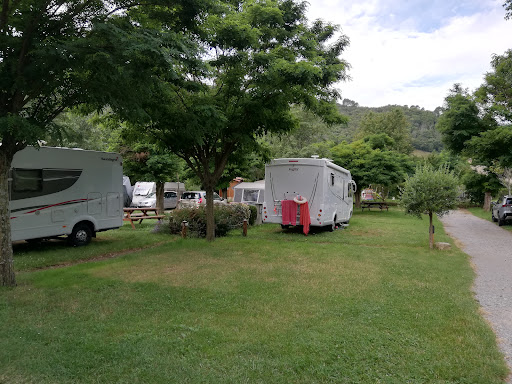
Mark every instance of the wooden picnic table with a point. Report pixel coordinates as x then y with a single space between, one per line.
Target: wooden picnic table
143 215
374 204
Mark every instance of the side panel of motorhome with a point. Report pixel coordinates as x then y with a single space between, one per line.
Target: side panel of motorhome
326 186
51 190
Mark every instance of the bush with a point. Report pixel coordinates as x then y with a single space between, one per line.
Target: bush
227 217
254 214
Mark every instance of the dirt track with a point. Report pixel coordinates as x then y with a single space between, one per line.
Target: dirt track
490 249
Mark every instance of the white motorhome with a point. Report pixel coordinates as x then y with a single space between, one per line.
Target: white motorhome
327 187
63 191
141 191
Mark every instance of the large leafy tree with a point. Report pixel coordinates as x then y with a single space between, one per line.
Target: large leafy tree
260 58
393 123
460 120
461 124
370 162
57 54
496 92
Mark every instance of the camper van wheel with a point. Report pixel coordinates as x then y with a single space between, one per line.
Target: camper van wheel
81 235
333 225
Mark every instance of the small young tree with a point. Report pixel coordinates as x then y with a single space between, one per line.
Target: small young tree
430 191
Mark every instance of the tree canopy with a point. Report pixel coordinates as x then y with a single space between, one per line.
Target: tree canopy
56 55
460 121
430 191
392 123
371 164
259 59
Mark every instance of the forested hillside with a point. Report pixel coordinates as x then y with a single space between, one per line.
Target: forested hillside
422 122
315 137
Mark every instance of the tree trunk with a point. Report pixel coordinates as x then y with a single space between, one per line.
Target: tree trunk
210 219
357 196
7 277
160 197
431 231
487 201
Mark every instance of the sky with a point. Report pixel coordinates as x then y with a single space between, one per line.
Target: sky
411 52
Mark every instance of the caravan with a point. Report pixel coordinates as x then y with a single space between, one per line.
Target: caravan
327 188
141 191
144 194
62 191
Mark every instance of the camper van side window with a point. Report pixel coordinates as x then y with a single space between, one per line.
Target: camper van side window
332 178
27 180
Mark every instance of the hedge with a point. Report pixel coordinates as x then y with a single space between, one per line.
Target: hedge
227 217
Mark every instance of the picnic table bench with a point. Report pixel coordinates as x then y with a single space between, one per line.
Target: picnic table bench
143 215
374 204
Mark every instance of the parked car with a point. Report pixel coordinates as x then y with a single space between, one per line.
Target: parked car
170 200
197 198
502 209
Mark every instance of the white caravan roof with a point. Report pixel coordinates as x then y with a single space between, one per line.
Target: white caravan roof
260 184
309 161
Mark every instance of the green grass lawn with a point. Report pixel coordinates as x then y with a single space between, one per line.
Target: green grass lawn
479 212
367 304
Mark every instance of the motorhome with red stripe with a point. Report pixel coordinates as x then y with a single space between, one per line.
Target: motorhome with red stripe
64 191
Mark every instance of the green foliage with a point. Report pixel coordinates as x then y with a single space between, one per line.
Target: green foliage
254 214
508 7
494 144
393 123
496 92
448 159
258 59
227 217
370 165
421 123
75 130
460 121
59 57
148 162
478 183
310 137
429 190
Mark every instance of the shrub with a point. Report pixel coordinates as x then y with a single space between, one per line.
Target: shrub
227 217
254 214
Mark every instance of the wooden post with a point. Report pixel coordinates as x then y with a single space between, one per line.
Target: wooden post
245 227
184 226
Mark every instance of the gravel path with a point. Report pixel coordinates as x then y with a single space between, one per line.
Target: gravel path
490 249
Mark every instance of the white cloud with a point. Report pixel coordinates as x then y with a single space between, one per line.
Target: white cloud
406 67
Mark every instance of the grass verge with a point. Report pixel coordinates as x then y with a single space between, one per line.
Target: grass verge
479 212
368 304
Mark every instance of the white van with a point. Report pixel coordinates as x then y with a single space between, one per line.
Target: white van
63 191
141 191
327 187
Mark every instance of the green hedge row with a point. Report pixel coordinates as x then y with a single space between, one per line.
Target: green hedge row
227 217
